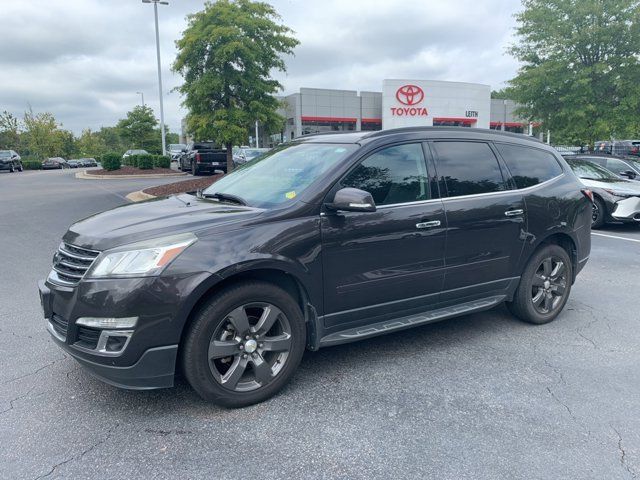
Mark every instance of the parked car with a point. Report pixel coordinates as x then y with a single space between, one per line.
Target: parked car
623 167
327 240
54 162
128 153
10 160
74 163
242 155
176 150
203 157
614 199
618 147
89 162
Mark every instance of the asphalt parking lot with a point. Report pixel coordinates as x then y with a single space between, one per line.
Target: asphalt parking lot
482 396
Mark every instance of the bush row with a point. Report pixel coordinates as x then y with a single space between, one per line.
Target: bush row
111 161
31 165
147 162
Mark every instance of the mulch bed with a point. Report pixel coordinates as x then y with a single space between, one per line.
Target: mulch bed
127 170
182 187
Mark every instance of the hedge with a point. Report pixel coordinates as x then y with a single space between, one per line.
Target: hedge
145 162
162 161
31 165
111 161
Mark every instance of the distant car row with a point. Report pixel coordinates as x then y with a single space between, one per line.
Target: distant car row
60 163
205 157
615 183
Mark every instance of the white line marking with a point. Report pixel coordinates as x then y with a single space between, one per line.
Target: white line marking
615 236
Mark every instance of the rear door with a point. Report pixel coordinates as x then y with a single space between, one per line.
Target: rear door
389 262
485 220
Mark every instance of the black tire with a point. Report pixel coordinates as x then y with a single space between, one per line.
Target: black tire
207 373
12 168
599 213
194 169
20 168
541 278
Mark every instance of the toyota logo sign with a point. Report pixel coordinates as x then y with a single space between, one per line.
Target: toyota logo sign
410 94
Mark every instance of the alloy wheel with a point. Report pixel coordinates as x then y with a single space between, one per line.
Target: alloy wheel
250 347
549 285
595 212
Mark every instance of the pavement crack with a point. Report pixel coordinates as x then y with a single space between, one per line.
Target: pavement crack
623 454
81 454
34 372
19 397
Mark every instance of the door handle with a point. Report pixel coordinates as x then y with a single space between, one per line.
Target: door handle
433 223
514 213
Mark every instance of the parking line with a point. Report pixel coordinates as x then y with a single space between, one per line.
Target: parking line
615 236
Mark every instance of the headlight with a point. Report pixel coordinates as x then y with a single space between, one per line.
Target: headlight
142 259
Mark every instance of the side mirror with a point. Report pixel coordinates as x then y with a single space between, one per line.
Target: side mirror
352 200
628 173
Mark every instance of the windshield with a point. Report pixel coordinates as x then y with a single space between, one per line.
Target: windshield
254 152
282 174
5 153
588 170
177 146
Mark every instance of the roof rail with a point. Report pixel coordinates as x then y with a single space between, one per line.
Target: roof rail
380 133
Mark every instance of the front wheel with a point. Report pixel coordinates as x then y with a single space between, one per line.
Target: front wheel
544 286
20 168
598 213
12 168
194 169
244 344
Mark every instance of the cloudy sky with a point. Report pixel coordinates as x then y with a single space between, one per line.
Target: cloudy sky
84 60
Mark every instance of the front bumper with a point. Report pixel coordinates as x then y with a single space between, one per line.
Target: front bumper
627 210
148 360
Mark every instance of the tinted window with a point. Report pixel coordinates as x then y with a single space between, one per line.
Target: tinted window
529 166
395 174
617 166
590 171
468 168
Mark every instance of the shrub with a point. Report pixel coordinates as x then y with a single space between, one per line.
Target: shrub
145 162
162 161
133 160
31 165
111 161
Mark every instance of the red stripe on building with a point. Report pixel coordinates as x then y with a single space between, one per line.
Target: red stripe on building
508 124
329 119
371 120
455 119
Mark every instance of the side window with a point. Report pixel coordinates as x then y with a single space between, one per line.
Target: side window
529 166
468 168
617 166
392 175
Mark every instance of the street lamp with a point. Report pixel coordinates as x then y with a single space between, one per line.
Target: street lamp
142 95
155 11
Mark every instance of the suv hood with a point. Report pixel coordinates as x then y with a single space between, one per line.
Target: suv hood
155 218
626 186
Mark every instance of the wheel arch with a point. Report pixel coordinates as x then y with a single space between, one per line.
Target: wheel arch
564 240
286 280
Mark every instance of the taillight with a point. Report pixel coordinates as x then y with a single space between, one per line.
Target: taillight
588 194
197 158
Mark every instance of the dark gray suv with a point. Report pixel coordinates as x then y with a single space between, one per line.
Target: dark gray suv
322 241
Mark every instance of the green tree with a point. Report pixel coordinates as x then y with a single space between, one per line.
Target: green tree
138 130
39 138
580 71
110 137
226 56
9 131
90 144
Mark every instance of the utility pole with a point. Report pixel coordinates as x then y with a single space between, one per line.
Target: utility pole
155 11
257 141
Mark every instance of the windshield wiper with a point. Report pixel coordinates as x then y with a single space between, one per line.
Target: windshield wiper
226 197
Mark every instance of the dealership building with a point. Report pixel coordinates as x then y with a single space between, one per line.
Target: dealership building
401 103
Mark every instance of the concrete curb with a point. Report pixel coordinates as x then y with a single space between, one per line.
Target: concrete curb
139 196
86 176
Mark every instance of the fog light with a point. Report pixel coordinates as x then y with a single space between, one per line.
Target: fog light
96 322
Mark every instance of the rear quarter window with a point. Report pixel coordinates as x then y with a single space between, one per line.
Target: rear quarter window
529 166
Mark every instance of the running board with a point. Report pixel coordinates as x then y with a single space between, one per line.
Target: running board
392 325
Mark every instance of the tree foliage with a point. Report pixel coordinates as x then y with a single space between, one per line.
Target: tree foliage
580 72
139 128
226 56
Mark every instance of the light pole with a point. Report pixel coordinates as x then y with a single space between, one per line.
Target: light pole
155 11
142 95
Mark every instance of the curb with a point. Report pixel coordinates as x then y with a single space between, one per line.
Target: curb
86 176
139 196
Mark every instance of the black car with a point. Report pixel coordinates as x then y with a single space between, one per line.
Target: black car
615 199
622 167
54 163
203 157
322 241
74 163
10 160
89 162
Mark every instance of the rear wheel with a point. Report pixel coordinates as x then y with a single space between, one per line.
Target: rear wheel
544 286
20 168
194 169
244 344
598 214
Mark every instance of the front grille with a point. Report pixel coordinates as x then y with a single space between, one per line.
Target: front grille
60 325
87 337
70 263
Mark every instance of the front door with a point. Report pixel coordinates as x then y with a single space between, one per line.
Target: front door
390 262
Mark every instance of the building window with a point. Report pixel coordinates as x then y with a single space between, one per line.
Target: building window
371 125
323 125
